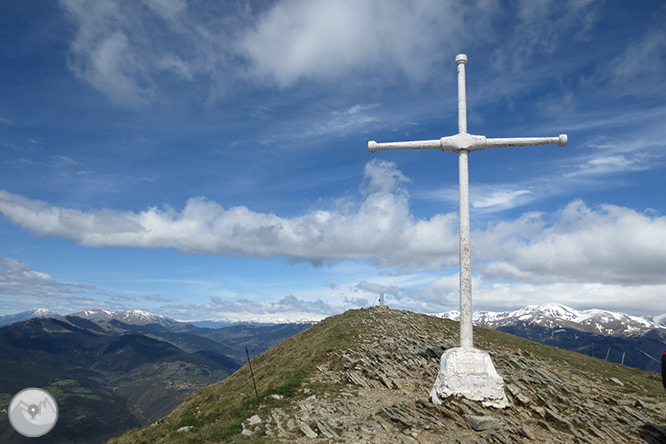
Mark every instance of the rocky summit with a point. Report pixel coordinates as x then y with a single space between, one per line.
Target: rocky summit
365 377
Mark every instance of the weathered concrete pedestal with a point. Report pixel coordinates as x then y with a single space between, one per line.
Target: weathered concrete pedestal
469 372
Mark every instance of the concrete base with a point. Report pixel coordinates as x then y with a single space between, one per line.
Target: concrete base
469 372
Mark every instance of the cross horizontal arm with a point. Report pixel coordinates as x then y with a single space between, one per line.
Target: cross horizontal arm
467 142
418 145
561 140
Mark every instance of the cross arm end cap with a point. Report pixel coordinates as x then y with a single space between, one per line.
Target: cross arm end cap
563 140
372 146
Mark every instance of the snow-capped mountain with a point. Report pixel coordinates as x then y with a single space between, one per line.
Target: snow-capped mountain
616 337
256 320
37 313
659 320
554 316
129 316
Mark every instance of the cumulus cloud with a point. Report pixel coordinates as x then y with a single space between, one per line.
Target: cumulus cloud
579 243
379 227
297 39
610 244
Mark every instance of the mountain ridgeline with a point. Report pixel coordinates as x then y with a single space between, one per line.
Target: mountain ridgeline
115 372
365 377
616 337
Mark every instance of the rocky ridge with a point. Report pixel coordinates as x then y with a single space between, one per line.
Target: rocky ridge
384 389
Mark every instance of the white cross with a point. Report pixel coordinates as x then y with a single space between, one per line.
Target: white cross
462 143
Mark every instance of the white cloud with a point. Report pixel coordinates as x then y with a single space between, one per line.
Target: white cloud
299 39
18 279
124 49
442 294
379 227
609 244
498 198
495 197
103 54
612 164
339 122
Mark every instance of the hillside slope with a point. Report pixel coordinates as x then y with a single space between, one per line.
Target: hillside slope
105 380
365 376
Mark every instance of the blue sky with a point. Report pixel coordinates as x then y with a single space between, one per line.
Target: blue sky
209 159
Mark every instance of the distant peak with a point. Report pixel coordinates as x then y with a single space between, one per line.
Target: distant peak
129 316
42 312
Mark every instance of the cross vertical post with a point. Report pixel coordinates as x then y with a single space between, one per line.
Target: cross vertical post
467 371
466 330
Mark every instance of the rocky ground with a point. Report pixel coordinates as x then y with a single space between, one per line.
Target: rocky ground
377 392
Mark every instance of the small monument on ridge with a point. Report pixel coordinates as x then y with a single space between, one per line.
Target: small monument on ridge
465 370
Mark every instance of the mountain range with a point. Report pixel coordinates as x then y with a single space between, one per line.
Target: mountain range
549 315
616 337
560 316
143 317
364 377
111 371
128 316
139 366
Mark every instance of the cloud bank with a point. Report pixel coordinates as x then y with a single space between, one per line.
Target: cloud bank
379 227
610 244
